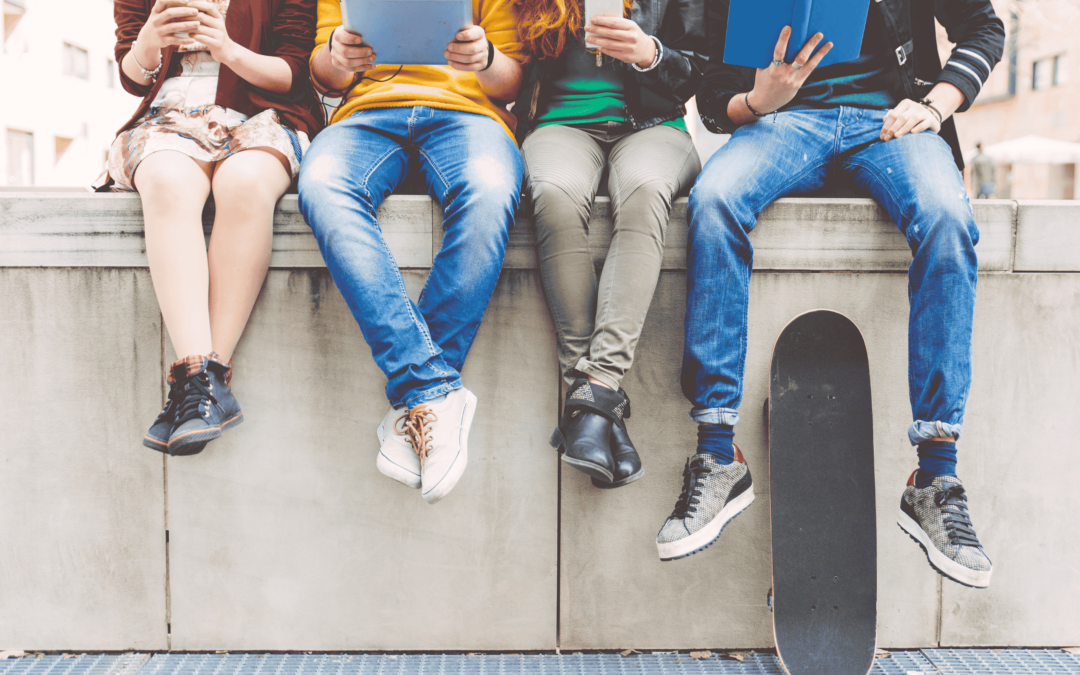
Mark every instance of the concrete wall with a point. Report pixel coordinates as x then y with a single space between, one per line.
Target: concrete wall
283 536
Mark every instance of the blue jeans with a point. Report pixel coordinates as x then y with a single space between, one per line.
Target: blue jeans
790 153
474 170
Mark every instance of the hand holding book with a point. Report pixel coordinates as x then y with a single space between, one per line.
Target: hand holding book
777 84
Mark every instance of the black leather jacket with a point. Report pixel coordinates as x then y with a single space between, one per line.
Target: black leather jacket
972 25
652 97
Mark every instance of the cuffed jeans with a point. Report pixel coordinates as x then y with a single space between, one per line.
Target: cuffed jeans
914 178
474 170
599 322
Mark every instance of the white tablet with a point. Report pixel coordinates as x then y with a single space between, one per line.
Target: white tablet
407 32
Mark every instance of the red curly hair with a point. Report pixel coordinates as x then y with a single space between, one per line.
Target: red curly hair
544 25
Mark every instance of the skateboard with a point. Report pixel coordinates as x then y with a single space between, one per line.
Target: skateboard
821 484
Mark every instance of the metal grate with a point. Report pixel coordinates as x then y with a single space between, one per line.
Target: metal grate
54 664
902 663
457 664
1004 661
924 662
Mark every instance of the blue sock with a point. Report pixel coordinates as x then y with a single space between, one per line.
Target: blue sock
716 440
936 458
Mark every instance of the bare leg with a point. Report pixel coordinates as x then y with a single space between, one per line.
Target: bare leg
247 187
174 188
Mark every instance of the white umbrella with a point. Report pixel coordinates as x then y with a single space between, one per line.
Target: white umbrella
1033 150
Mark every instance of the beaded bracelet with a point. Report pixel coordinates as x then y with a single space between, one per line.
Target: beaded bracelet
148 75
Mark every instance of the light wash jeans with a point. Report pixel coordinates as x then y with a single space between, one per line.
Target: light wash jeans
474 170
790 153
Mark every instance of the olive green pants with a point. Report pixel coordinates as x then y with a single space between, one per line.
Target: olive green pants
598 321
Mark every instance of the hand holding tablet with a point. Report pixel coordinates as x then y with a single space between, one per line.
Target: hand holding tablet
349 53
414 32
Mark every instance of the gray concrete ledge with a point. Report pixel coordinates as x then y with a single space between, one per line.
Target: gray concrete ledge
282 535
90 230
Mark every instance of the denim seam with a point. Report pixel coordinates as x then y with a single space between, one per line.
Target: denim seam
908 209
439 173
422 325
446 190
445 387
375 167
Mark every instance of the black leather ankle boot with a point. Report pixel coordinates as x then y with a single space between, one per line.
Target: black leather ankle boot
584 432
627 464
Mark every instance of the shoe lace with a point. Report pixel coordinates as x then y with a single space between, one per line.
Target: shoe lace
693 473
195 391
415 425
955 517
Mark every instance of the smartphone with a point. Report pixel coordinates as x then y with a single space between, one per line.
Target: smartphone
601 8
178 3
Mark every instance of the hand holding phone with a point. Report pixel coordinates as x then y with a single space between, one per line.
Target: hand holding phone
170 23
601 8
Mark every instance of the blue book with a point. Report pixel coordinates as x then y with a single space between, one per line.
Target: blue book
754 26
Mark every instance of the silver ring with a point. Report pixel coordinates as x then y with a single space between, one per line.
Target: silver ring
797 66
777 62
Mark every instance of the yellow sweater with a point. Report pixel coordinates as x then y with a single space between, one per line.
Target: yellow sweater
433 86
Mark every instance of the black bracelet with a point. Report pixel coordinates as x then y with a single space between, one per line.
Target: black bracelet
927 103
491 55
746 99
330 42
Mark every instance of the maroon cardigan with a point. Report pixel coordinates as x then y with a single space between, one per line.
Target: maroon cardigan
282 28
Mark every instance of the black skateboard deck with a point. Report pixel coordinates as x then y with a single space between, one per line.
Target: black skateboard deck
821 484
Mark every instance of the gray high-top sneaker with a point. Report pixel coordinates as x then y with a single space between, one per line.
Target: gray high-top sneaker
712 495
937 518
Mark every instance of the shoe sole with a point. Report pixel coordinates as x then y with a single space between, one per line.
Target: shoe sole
450 479
155 444
939 561
704 538
193 442
618 483
595 471
390 469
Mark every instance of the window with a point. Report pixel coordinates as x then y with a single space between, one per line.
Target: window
20 150
1048 72
62 145
110 73
76 61
1040 74
13 13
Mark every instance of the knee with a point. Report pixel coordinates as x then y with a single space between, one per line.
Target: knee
944 224
716 214
646 210
550 198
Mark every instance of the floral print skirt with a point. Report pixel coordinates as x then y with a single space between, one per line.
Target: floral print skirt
200 133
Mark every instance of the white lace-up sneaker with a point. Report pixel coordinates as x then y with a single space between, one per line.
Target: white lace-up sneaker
397 459
439 434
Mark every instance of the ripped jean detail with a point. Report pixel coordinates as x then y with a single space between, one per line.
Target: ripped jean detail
920 431
728 416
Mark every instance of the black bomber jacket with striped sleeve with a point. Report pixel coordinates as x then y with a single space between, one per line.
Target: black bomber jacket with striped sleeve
972 26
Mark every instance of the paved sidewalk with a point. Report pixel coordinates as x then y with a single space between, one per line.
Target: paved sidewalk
915 662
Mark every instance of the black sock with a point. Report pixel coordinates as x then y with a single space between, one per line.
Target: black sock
936 458
717 440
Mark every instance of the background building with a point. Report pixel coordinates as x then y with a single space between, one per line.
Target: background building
1034 91
61 102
